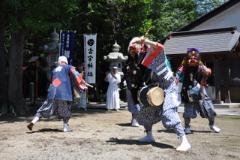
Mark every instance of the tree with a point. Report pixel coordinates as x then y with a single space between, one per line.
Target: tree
111 20
168 16
28 17
3 77
205 6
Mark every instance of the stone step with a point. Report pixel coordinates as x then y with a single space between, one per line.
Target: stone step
124 104
227 105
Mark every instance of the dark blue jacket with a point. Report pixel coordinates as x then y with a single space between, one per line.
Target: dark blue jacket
61 86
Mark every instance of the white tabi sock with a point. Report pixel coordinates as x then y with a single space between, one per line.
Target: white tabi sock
35 119
135 123
184 146
66 127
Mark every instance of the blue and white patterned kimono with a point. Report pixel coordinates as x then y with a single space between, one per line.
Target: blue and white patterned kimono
60 92
156 60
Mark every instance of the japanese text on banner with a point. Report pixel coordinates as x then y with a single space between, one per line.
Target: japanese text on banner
90 57
67 40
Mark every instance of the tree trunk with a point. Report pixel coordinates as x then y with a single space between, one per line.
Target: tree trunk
3 75
15 91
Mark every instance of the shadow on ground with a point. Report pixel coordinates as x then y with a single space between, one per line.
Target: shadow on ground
45 130
136 142
124 124
10 118
172 131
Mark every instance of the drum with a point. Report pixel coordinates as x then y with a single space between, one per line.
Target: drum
142 96
151 96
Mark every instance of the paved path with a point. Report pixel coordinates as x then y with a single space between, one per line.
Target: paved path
221 111
232 111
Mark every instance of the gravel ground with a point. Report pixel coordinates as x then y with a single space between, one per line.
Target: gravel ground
101 134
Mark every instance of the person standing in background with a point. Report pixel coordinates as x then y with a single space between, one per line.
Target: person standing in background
83 95
113 99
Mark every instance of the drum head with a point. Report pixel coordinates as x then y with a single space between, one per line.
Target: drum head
142 96
155 96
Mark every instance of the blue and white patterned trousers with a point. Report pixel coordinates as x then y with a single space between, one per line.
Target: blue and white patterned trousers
170 116
60 108
168 113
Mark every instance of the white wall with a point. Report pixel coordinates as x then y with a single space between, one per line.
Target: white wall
227 18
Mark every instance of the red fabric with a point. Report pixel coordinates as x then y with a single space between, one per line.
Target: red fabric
56 82
203 83
148 60
79 79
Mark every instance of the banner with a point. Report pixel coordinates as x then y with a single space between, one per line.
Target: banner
90 44
67 42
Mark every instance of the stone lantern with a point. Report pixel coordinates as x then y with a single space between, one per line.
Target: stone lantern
52 48
116 58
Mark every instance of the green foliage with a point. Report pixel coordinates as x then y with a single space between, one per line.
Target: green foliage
170 15
205 6
111 19
39 15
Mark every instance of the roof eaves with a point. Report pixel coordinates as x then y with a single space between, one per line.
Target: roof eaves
203 53
209 15
186 33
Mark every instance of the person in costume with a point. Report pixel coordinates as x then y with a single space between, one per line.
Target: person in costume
113 99
59 98
155 60
135 76
193 74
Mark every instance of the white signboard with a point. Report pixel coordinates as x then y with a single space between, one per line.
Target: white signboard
90 44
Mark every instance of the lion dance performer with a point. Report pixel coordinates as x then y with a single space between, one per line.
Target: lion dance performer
155 60
59 99
192 73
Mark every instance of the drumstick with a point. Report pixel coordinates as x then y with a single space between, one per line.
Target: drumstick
89 85
144 37
146 33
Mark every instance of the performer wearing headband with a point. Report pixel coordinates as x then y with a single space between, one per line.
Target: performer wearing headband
59 99
193 74
155 60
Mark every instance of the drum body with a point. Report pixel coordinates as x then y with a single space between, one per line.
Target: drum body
151 96
142 96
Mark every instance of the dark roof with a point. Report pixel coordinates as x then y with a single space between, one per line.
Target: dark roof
209 15
221 40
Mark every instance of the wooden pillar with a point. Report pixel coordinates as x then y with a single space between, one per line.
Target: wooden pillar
216 71
227 75
228 97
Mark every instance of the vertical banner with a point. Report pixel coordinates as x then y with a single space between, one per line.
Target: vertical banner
90 44
67 42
